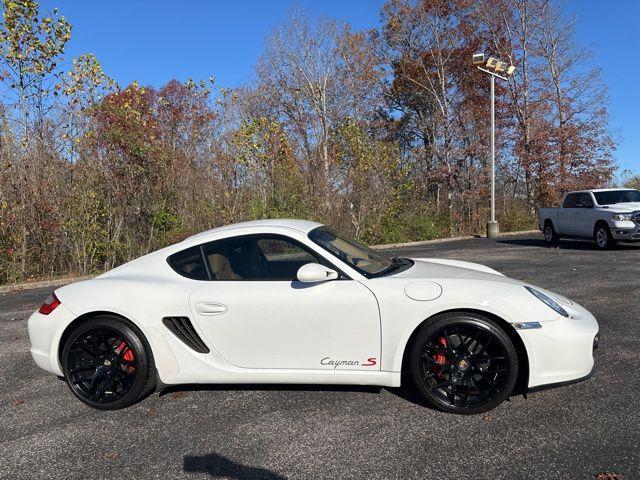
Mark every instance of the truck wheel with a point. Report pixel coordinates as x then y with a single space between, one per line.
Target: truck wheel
602 236
550 234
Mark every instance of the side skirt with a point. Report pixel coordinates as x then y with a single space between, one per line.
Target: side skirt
298 377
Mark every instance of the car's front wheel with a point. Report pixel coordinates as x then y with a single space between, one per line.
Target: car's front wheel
463 363
107 363
602 236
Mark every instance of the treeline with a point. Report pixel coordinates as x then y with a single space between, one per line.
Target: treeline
381 133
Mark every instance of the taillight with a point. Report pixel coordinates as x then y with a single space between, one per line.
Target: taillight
49 304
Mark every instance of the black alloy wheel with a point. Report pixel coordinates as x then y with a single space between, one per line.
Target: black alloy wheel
107 363
463 363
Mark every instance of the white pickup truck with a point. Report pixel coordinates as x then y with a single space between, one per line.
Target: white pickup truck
605 216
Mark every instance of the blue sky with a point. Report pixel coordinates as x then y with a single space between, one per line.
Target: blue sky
154 42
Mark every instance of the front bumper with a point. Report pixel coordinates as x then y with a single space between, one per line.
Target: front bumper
626 231
549 386
561 351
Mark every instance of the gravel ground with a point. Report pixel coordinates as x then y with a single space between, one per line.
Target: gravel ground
278 432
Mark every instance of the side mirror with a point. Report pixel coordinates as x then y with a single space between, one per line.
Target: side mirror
314 272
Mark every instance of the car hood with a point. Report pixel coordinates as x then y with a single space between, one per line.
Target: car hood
625 207
436 268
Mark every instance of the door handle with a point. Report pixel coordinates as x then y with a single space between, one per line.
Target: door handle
210 308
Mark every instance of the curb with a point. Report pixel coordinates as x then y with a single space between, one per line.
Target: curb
56 282
15 287
450 239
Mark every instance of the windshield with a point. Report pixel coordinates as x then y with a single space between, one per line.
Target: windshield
617 196
368 262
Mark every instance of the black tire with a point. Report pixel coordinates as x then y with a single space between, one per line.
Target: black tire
463 363
107 363
602 236
550 235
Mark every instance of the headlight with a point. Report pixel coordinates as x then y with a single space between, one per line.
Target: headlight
550 302
622 217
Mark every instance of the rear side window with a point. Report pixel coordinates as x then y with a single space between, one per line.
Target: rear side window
189 263
578 200
584 201
570 201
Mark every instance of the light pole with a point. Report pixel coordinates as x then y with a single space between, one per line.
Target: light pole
494 68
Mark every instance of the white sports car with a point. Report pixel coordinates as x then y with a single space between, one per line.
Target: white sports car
292 301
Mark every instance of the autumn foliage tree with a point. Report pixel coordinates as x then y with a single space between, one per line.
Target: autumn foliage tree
31 46
381 133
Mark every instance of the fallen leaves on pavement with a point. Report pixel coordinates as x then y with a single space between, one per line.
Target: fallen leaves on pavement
608 476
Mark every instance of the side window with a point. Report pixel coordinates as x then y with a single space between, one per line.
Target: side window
584 201
570 201
227 259
259 257
284 258
189 263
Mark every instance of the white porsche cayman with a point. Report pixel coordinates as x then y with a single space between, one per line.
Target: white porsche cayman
292 301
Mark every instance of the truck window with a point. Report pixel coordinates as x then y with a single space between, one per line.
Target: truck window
570 201
584 201
612 197
578 200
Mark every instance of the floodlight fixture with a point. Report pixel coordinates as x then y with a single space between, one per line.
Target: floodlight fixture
478 58
492 62
495 66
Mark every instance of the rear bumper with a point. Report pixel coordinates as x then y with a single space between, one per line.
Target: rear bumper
44 334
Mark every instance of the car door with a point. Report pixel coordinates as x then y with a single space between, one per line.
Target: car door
568 215
257 315
584 219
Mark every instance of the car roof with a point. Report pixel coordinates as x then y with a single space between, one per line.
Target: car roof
611 189
596 190
147 262
304 226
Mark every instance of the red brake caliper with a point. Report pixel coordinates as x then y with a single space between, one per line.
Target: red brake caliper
441 358
128 355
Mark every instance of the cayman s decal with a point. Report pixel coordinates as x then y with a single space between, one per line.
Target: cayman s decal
329 362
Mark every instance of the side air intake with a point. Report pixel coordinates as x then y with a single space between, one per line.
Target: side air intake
181 327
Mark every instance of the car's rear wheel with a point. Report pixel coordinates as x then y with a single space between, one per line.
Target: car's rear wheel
550 235
463 363
602 236
107 363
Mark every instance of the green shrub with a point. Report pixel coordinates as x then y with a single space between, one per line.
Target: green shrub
516 218
411 226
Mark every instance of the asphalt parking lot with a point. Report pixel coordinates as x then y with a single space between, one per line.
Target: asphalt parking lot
278 432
